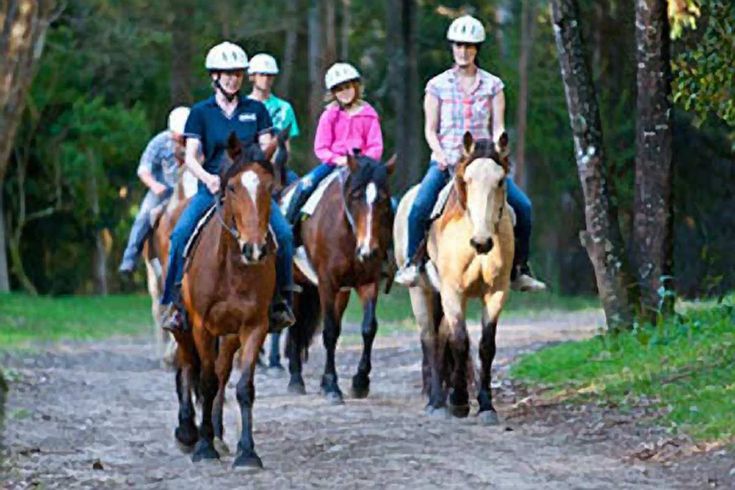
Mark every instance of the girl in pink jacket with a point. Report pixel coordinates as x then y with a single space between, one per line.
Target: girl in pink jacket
348 123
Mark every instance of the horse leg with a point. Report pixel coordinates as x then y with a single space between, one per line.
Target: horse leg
186 431
490 313
333 305
361 381
207 349
459 346
298 337
251 340
426 308
223 367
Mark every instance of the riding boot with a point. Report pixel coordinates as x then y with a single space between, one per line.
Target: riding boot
173 318
281 311
298 199
522 279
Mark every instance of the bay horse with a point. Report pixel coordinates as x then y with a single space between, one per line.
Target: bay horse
470 249
226 291
346 240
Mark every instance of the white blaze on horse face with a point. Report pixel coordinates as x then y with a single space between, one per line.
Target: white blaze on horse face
371 193
483 177
250 181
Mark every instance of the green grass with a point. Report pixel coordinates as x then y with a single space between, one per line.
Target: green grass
25 319
686 365
395 309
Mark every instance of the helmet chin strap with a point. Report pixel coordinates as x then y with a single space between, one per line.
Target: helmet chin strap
229 96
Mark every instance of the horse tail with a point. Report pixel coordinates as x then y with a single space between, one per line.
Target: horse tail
308 313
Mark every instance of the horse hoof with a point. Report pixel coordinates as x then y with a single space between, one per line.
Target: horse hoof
360 387
250 460
220 446
296 388
459 411
437 412
204 450
334 398
186 436
488 417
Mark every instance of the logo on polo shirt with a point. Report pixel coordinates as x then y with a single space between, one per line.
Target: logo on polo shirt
246 117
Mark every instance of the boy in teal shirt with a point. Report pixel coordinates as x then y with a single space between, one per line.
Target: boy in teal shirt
262 72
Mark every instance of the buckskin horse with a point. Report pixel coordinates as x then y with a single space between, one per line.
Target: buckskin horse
346 241
226 291
470 250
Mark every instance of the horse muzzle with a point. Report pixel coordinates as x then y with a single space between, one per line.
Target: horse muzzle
365 253
254 253
482 246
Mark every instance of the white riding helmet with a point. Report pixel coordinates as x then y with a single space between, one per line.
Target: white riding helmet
466 29
177 119
340 73
264 64
226 56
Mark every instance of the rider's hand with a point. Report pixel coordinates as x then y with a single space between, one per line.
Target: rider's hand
341 161
158 188
212 182
441 161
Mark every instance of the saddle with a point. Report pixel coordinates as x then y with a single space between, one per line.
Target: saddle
310 205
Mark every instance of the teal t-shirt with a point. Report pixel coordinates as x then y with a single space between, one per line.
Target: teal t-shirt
282 114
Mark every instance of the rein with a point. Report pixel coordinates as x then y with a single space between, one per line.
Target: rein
218 198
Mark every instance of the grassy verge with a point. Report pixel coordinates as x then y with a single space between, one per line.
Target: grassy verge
26 319
686 365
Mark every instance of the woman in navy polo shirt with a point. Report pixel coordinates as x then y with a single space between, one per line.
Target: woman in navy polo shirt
207 130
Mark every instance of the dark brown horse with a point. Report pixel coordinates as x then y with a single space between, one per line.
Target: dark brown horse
219 292
346 241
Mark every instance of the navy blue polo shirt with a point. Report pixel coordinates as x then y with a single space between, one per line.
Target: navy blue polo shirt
209 124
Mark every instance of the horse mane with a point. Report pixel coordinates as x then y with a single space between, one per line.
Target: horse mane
251 155
369 169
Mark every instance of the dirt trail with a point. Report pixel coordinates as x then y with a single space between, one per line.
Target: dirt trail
102 414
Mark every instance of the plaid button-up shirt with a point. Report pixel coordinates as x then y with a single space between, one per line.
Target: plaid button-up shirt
460 112
158 159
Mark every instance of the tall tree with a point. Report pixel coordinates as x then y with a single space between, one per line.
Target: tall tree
23 26
528 10
316 84
602 238
181 52
344 52
290 46
652 222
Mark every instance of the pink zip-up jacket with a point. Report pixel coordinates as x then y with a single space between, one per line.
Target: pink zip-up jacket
338 133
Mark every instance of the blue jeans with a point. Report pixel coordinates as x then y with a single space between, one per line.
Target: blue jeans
432 184
141 228
284 257
197 207
310 181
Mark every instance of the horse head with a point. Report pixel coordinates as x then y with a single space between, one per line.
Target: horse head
366 194
480 183
247 183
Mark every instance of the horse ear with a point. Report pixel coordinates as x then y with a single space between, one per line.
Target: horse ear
351 162
503 149
284 134
390 165
468 144
234 147
271 149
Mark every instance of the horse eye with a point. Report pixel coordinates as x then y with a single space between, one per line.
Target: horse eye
502 183
230 187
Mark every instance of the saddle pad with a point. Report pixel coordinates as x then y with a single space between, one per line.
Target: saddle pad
316 196
190 244
441 200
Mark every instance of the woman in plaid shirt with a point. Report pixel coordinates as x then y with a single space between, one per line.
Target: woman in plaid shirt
464 98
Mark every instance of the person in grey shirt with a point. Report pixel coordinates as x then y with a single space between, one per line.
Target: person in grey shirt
158 170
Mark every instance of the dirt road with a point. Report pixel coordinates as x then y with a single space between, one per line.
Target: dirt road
102 414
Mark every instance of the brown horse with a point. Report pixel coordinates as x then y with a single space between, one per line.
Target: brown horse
470 249
226 291
346 241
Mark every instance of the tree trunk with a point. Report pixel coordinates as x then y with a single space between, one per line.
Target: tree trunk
602 238
99 259
652 221
181 53
528 11
289 50
330 33
316 84
403 87
344 52
4 277
23 25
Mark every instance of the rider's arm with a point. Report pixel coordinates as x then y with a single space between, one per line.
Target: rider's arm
324 138
497 116
192 159
147 162
432 106
374 140
264 140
